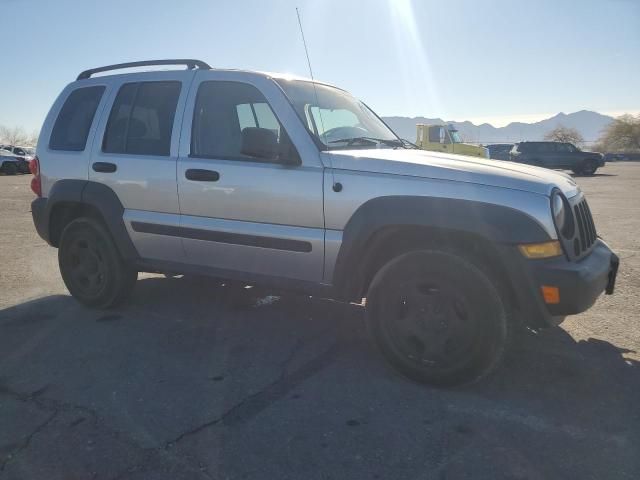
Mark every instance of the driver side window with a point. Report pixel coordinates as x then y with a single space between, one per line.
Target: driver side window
436 135
228 119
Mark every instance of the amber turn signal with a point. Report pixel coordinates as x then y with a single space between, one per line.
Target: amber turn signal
551 295
541 250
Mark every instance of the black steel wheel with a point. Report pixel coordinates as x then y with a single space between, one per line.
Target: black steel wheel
91 266
437 318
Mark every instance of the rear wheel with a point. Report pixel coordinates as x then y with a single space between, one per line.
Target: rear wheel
437 318
91 266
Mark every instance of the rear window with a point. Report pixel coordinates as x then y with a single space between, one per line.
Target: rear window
72 126
141 119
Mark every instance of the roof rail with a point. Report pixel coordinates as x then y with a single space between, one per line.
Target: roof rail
190 63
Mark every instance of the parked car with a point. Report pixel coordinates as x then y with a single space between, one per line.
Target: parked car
621 157
558 155
232 174
9 163
500 151
24 154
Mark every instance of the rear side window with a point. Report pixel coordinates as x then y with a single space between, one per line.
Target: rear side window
546 148
528 147
71 128
141 119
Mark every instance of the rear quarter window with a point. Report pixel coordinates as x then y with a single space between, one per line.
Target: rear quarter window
71 129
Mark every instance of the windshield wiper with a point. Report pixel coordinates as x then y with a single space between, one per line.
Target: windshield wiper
407 144
351 141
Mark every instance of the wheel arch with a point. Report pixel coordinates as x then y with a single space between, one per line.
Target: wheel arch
388 226
71 199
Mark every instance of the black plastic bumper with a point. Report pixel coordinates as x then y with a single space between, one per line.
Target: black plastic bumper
580 283
40 215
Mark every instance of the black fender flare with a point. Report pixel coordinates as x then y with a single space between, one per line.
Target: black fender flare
98 196
495 223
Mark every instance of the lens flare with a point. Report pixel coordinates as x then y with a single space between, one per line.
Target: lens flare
418 82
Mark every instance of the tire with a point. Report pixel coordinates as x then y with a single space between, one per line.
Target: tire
9 168
589 167
91 266
437 318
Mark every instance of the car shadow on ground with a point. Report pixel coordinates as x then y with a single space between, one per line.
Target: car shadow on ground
198 372
575 175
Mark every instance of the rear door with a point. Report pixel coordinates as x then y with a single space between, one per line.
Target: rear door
136 153
241 213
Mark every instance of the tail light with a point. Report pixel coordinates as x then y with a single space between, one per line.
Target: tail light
36 181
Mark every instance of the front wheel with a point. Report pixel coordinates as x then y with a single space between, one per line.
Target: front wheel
437 318
91 266
589 167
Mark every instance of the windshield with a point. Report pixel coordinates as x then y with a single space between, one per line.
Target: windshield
336 119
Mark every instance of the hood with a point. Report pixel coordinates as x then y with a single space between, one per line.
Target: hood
457 168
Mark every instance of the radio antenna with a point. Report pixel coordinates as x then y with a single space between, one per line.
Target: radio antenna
304 42
336 186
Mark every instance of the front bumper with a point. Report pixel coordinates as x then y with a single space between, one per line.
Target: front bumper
580 283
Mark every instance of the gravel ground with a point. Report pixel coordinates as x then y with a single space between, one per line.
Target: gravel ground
196 380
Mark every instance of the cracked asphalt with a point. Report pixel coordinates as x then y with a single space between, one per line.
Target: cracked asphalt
194 379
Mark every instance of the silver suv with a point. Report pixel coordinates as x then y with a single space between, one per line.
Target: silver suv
296 184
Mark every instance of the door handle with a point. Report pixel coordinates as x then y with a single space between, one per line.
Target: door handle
104 167
200 175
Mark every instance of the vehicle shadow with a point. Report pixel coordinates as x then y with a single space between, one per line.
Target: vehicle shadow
575 175
190 359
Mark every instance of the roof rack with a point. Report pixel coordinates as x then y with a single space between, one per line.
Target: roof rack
190 63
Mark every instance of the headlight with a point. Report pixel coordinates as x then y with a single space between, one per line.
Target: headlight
562 216
559 212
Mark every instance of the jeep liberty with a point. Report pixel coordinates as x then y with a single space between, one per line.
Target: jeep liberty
281 181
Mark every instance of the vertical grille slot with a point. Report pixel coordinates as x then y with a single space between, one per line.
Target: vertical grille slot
586 227
591 224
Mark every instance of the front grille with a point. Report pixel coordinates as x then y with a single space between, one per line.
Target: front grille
586 230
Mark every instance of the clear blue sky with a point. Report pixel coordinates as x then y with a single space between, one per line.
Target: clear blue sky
493 60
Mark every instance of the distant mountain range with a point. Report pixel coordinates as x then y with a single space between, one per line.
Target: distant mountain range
589 124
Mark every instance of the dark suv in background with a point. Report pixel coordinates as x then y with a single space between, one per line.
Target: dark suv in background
557 155
499 151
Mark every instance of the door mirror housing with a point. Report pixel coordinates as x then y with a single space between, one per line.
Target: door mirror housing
260 143
263 143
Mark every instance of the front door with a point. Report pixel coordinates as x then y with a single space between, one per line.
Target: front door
244 209
565 155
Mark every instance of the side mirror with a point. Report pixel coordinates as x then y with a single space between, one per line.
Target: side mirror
260 143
